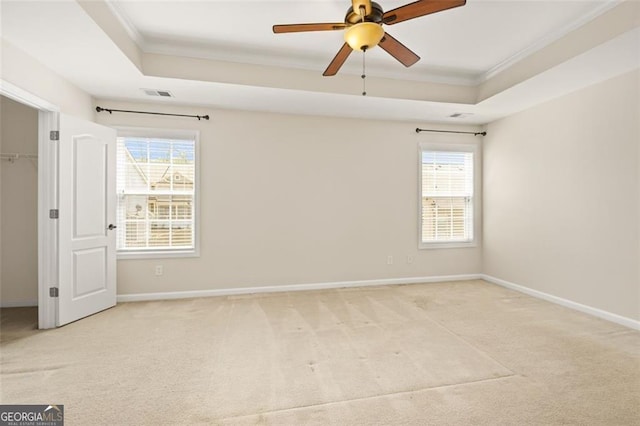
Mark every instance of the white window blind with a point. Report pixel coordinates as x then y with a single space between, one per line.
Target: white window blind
446 196
156 194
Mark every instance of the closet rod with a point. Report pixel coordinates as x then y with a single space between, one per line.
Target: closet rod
111 111
16 156
418 130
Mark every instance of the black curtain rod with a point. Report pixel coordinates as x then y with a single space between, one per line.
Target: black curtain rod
111 111
418 130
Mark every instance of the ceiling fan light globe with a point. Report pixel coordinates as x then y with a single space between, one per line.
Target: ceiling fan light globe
364 35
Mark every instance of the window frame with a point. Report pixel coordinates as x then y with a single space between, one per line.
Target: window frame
475 201
149 132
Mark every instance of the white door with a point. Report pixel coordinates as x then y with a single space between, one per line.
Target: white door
87 213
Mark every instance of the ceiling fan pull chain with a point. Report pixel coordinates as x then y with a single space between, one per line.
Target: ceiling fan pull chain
364 75
364 51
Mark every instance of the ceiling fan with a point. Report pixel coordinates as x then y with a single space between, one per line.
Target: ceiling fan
363 28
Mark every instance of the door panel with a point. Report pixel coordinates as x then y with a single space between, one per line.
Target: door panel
89 271
90 160
87 248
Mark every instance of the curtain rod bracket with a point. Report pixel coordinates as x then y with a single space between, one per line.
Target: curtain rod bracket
418 130
111 111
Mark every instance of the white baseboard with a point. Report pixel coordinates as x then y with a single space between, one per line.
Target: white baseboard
140 297
295 287
18 303
618 319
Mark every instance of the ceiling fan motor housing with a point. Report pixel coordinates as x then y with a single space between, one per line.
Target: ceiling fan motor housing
353 17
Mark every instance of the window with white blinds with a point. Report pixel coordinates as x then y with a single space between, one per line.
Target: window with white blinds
156 185
446 190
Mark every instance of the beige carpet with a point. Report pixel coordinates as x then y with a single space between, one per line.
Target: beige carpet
450 353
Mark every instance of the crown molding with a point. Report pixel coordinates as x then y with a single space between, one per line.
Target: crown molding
547 40
168 48
128 26
452 77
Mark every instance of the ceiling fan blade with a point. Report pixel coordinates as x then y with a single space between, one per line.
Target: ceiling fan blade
419 8
298 28
398 50
357 4
338 60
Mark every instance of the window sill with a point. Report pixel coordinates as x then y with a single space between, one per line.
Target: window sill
446 245
131 255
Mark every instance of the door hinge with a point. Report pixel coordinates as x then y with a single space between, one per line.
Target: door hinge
54 135
53 291
53 214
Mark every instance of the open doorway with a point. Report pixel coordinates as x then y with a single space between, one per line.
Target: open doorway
40 118
75 210
19 208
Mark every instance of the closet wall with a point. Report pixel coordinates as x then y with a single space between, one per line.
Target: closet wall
18 206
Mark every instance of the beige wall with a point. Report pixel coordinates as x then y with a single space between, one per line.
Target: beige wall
18 211
561 197
292 200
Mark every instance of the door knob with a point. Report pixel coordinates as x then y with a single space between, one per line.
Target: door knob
111 227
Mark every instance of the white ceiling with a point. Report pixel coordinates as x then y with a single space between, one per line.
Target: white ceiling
465 42
463 46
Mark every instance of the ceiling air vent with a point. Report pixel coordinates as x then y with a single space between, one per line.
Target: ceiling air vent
461 114
155 92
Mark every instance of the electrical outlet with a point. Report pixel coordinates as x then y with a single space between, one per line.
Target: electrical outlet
409 259
389 260
159 270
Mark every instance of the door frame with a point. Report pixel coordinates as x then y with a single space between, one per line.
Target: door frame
48 120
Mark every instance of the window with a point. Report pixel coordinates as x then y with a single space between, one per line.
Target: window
446 195
156 184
